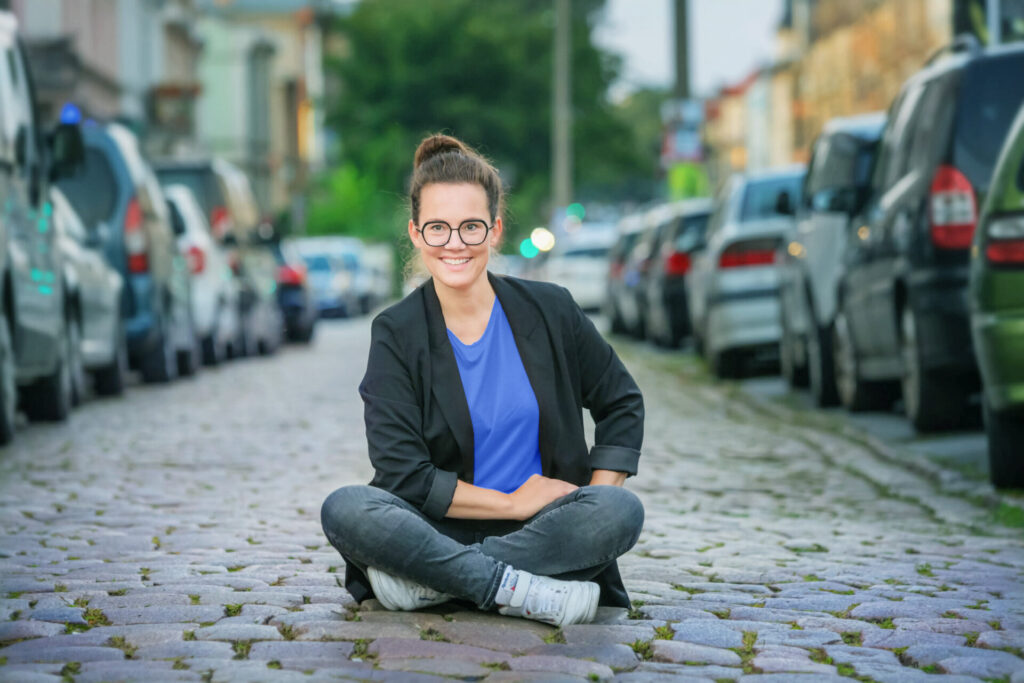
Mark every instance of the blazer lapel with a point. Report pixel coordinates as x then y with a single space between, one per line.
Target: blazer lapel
445 381
535 352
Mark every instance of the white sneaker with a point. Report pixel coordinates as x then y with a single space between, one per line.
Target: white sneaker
399 594
553 601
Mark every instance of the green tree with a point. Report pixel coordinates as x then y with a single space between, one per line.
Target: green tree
478 70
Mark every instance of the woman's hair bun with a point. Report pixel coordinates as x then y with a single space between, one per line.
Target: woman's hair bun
434 145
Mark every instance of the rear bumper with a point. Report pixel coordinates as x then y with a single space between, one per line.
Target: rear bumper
141 325
999 338
742 319
939 298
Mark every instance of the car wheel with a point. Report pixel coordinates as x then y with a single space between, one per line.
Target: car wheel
75 364
189 359
8 385
50 398
1005 435
931 402
727 364
855 393
109 380
794 370
617 323
160 364
821 376
214 351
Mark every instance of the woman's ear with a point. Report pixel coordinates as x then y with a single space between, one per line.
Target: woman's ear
496 232
414 234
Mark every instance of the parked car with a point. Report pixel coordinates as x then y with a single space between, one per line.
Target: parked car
996 302
902 317
294 295
94 289
836 187
36 334
678 232
580 264
621 303
337 276
732 286
117 195
214 289
262 323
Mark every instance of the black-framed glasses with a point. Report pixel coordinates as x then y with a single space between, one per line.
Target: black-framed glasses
472 232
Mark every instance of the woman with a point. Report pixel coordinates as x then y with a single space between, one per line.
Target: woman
484 488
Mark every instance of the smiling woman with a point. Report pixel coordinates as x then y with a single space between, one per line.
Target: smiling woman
484 488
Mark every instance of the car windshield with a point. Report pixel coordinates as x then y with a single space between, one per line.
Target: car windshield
92 190
200 181
760 196
691 234
317 263
587 252
989 101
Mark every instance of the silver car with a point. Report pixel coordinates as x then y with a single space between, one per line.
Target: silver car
732 287
94 287
837 184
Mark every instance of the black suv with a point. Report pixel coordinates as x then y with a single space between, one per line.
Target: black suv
902 313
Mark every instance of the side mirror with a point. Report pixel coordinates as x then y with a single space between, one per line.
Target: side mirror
96 236
67 151
784 204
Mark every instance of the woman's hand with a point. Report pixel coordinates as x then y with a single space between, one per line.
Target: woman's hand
535 493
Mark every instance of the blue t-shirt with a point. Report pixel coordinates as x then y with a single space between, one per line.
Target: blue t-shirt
502 406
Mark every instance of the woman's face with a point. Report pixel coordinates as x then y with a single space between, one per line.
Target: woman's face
455 265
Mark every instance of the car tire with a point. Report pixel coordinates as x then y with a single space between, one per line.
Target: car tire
727 364
160 364
189 359
855 394
8 385
793 370
50 397
821 373
110 379
1005 435
931 402
213 351
75 363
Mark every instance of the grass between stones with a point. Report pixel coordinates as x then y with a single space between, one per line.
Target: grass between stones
634 610
179 664
188 635
273 664
286 631
556 637
194 598
665 632
241 648
855 638
123 645
497 666
721 613
746 652
69 671
433 634
232 610
643 649
925 569
845 614
360 648
684 589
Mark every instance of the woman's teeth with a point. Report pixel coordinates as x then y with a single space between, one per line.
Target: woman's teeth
455 261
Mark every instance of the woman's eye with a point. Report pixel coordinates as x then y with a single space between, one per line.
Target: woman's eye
437 227
472 227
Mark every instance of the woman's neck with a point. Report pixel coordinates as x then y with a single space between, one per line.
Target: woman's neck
465 305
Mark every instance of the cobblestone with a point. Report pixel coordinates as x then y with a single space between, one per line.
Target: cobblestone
186 532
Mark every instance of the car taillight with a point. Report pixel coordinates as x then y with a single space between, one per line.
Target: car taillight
615 271
235 263
289 275
749 253
135 245
196 260
953 210
1006 245
220 221
677 263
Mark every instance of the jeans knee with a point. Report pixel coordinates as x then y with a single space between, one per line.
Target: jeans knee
623 511
341 508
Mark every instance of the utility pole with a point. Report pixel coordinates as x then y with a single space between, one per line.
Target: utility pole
993 13
561 109
682 90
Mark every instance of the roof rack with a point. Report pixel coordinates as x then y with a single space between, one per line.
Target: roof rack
965 42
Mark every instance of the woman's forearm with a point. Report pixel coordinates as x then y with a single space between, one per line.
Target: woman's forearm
474 502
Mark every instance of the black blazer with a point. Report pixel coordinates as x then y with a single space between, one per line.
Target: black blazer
418 427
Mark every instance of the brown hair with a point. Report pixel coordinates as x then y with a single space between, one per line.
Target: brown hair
444 159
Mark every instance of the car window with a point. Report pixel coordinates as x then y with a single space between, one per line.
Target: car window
991 94
890 136
65 217
20 106
317 263
931 125
201 181
690 232
92 190
587 252
760 196
8 121
903 133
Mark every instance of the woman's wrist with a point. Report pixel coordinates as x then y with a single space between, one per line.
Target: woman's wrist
607 478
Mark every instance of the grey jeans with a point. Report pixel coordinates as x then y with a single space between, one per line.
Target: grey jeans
574 537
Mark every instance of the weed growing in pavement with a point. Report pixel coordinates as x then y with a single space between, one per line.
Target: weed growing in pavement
497 666
179 664
855 638
60 588
950 614
812 577
685 589
981 604
96 617
433 634
556 637
819 656
1009 515
194 598
156 543
634 611
972 638
286 631
236 568
123 645
793 626
359 649
80 602
665 632
188 635
643 649
746 652
721 613
996 625
232 610
925 569
241 648
273 664
844 614
70 670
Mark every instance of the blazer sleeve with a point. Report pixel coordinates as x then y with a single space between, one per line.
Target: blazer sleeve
611 395
394 436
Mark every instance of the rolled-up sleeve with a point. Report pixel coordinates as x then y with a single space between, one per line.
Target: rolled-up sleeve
393 417
613 398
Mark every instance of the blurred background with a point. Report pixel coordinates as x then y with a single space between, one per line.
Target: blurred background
823 189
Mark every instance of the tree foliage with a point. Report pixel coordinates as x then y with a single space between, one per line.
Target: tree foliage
481 71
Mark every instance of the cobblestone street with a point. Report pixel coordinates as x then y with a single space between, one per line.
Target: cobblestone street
175 535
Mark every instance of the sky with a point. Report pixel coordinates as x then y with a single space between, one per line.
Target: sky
729 38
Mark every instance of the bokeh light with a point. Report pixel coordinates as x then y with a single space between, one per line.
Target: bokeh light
527 248
542 238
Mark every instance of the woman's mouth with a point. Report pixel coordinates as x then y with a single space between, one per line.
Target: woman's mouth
455 261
